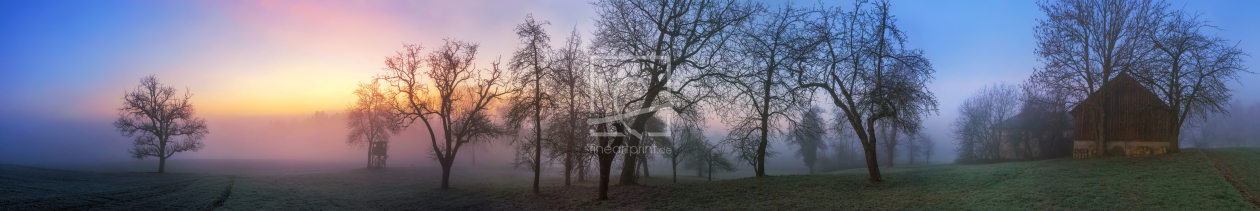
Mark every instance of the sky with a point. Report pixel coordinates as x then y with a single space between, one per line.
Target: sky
64 65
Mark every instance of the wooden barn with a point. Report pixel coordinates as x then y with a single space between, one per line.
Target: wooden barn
1137 123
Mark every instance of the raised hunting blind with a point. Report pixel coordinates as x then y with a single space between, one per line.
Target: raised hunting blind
377 153
1136 121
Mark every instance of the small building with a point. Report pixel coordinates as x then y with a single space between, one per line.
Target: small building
1136 119
377 153
1035 134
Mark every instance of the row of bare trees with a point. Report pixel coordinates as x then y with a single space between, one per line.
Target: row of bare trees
766 64
759 69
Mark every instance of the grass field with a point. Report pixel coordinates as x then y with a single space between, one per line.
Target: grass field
1192 180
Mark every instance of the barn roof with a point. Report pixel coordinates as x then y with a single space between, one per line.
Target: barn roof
1123 84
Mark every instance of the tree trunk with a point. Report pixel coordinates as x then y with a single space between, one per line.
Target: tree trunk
891 146
568 169
710 171
765 124
582 165
872 164
446 172
605 171
1102 129
761 151
161 164
1174 136
674 165
537 124
640 124
643 159
162 155
628 165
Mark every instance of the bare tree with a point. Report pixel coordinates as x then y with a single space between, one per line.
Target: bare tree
866 70
685 138
605 153
673 46
459 110
1190 69
981 119
1084 43
156 117
715 159
762 93
807 136
569 86
529 67
372 120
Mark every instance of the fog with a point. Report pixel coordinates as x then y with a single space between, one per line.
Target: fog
59 142
314 140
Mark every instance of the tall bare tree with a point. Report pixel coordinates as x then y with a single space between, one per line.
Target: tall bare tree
458 113
762 93
156 116
529 67
569 86
1190 69
865 69
1084 43
672 45
372 119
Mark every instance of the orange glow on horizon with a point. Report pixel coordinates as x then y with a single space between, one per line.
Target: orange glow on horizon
295 90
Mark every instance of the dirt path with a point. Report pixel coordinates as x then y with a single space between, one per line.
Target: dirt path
1239 185
223 197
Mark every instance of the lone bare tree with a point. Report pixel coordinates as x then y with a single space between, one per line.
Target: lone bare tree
529 67
1084 43
762 93
568 127
458 113
672 44
156 116
372 120
1190 69
866 70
